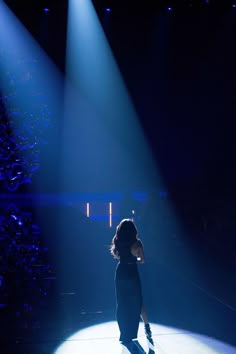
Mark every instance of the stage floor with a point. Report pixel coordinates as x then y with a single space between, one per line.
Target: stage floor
95 333
103 339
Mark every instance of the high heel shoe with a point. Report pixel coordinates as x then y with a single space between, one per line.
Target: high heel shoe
148 333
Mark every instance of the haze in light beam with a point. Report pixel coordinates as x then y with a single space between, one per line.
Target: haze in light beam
102 134
32 89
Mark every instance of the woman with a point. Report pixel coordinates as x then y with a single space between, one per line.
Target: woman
128 248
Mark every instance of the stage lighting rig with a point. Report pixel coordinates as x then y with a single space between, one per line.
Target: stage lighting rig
155 5
28 5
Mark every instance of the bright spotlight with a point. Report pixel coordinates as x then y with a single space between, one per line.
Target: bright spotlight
103 339
102 133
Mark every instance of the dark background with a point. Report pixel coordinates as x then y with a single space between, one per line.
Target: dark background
179 67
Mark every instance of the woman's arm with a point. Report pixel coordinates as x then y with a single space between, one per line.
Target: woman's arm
137 251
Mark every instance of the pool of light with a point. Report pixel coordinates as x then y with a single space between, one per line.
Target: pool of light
103 339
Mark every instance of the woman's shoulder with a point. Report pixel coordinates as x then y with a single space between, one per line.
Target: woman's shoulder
137 244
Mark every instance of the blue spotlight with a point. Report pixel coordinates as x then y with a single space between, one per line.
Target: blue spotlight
31 89
102 128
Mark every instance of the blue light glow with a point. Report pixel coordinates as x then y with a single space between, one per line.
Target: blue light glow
102 131
30 89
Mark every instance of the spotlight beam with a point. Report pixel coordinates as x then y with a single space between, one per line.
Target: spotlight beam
98 110
32 89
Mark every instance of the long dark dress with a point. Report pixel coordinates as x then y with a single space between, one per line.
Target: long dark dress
128 295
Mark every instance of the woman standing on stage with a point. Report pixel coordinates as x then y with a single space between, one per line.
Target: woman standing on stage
128 249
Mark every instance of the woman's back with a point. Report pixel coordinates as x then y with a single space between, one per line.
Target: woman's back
126 256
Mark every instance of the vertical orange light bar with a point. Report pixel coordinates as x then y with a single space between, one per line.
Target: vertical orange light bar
110 214
87 210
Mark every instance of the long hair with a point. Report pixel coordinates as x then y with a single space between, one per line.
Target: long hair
126 235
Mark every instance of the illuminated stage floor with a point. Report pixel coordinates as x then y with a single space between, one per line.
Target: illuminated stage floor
103 339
